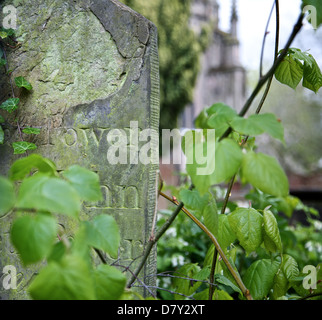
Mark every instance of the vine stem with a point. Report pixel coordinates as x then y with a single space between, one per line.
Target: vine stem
213 239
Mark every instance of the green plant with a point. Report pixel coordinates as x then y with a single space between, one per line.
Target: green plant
37 204
11 105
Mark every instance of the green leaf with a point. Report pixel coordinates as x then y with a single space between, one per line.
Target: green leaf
70 279
1 135
265 173
228 160
10 105
290 267
103 233
226 235
2 119
7 196
109 283
193 200
33 236
318 5
259 277
200 154
22 167
210 215
272 238
289 72
269 124
221 295
247 225
23 146
312 77
246 126
21 82
31 130
280 285
86 182
184 286
219 117
2 62
225 281
45 193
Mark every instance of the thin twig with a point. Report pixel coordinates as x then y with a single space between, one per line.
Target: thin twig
213 239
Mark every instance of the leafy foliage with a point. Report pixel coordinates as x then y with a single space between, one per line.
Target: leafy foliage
69 273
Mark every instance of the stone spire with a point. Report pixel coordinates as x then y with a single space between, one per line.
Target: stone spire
234 19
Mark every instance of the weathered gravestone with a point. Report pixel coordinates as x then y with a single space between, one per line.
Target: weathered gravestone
94 67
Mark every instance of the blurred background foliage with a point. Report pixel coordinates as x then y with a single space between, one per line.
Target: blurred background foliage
179 52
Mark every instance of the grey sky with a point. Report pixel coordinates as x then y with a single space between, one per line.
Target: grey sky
253 15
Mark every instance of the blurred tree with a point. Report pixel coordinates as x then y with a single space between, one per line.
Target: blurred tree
179 52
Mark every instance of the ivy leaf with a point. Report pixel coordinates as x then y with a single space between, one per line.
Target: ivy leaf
31 130
86 182
103 233
318 6
21 82
45 193
259 277
33 236
289 72
10 105
265 173
1 135
69 279
247 225
22 167
7 196
109 282
272 238
21 147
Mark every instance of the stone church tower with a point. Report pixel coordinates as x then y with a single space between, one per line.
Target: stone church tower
222 77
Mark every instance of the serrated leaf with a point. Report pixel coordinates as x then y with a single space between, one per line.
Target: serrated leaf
69 279
21 82
31 130
289 72
193 200
45 193
290 267
103 233
10 104
109 283
225 281
272 238
33 236
1 135
226 235
86 182
184 286
21 147
259 277
247 226
7 196
246 126
280 285
22 167
312 77
265 173
210 215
